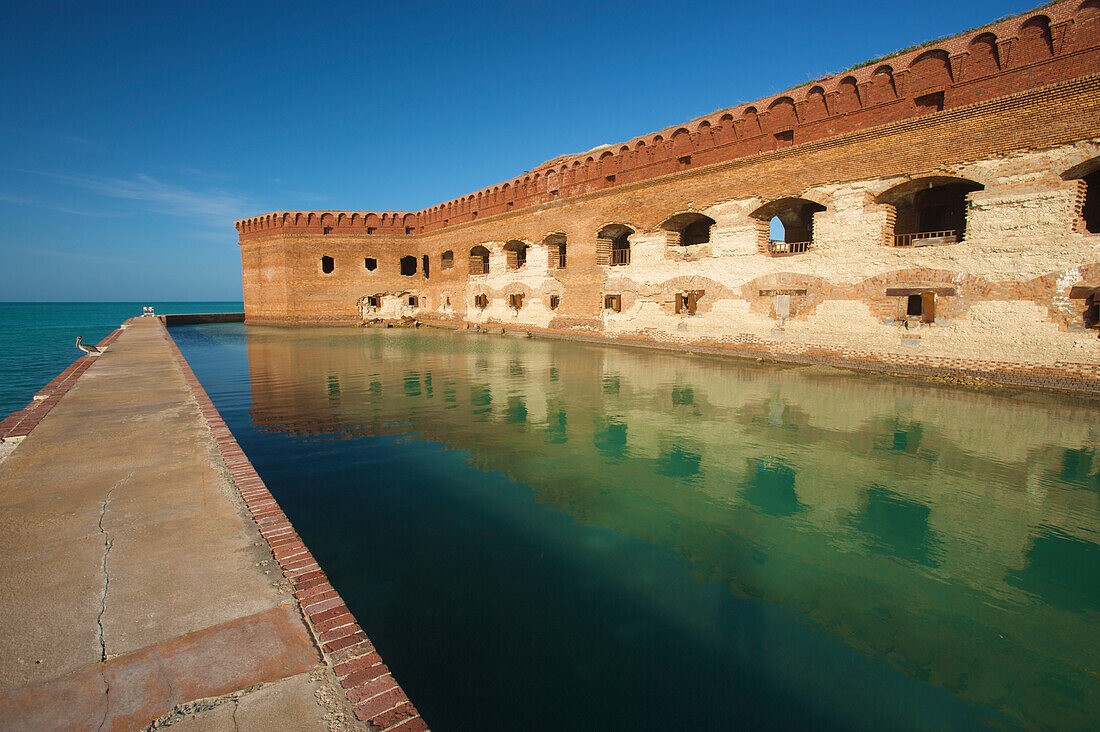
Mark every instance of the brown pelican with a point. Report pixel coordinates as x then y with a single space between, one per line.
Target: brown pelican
90 350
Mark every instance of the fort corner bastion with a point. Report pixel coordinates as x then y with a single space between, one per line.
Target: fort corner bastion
940 211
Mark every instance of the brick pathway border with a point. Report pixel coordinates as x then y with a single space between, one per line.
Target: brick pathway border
371 689
21 422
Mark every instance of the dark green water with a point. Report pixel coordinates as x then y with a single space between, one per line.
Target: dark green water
544 535
36 338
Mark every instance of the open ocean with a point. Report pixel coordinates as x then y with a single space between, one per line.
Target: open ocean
36 338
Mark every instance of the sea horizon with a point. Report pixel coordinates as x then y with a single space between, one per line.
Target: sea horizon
37 337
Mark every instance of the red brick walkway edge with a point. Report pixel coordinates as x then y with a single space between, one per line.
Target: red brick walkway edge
20 423
368 684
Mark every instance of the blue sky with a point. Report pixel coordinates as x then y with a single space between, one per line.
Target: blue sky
133 137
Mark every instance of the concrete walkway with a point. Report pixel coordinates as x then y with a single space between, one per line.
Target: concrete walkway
135 587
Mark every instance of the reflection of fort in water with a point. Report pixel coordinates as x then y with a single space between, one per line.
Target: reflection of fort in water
915 522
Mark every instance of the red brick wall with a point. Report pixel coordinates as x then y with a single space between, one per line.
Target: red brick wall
1028 83
1024 52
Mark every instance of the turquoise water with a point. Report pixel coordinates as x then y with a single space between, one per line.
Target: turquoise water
36 339
542 535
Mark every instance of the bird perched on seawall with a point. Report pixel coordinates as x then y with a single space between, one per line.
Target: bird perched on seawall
90 350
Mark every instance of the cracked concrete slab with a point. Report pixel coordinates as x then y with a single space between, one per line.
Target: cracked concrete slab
128 561
267 707
106 572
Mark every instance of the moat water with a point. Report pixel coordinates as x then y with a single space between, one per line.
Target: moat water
544 535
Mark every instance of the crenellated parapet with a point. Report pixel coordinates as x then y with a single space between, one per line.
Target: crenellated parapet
1054 43
391 223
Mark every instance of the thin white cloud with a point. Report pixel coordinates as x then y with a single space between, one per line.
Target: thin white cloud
67 255
200 173
214 208
22 201
57 136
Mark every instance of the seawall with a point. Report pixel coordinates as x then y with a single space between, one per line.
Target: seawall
149 575
200 318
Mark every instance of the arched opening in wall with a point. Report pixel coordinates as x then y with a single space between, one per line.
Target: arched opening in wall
425 264
370 263
928 211
555 250
613 245
983 56
515 254
882 87
327 264
447 261
847 99
1086 24
1090 210
1034 40
408 265
479 260
929 78
1087 205
786 226
687 229
1092 310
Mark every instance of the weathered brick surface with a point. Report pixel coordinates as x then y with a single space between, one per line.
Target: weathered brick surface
1020 120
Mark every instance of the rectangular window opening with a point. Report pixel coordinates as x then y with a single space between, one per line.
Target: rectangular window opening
326 230
929 103
684 161
554 302
372 229
687 303
613 302
370 263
